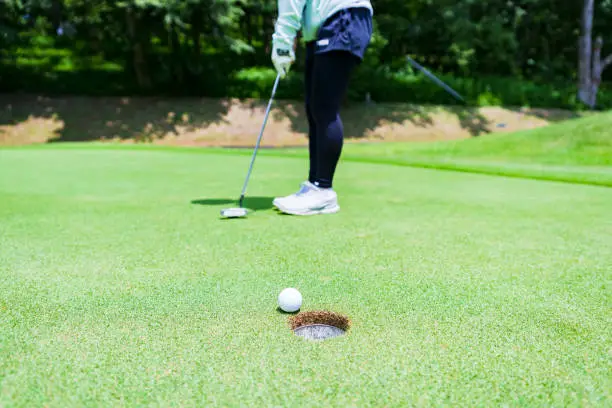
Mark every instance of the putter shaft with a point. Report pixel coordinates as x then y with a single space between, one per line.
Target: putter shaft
246 181
434 78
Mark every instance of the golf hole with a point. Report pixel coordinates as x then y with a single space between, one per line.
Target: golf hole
319 325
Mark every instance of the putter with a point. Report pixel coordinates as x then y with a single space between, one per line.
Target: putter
434 78
240 211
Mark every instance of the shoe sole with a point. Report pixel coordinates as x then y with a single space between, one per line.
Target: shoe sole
328 210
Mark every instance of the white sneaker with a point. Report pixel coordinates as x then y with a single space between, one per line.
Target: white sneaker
310 200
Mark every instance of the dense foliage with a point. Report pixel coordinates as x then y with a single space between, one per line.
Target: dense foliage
493 51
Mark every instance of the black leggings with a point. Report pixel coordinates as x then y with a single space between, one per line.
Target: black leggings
327 78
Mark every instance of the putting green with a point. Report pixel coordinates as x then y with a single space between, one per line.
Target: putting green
120 285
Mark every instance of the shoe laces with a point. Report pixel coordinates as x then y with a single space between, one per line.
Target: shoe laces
304 189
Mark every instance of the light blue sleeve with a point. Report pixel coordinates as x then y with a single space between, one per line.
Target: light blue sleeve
289 22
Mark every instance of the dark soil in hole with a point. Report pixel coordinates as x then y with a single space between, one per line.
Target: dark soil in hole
320 317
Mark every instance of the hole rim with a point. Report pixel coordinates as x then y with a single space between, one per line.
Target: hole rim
339 324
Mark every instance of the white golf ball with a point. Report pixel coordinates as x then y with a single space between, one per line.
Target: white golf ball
290 300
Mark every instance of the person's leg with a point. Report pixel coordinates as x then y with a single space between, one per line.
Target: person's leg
330 79
312 129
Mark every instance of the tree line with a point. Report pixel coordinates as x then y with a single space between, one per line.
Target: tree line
179 43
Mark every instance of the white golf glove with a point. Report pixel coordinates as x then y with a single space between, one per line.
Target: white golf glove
282 58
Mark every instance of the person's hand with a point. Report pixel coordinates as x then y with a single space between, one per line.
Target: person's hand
282 58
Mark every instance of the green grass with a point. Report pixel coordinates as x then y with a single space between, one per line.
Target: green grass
581 142
464 289
575 151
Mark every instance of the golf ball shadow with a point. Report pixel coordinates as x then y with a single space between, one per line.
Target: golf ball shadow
281 311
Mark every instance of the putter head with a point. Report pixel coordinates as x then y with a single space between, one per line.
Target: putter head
234 212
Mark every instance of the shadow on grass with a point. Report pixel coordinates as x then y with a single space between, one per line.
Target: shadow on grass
254 203
282 312
358 119
28 119
75 119
551 115
362 120
33 118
